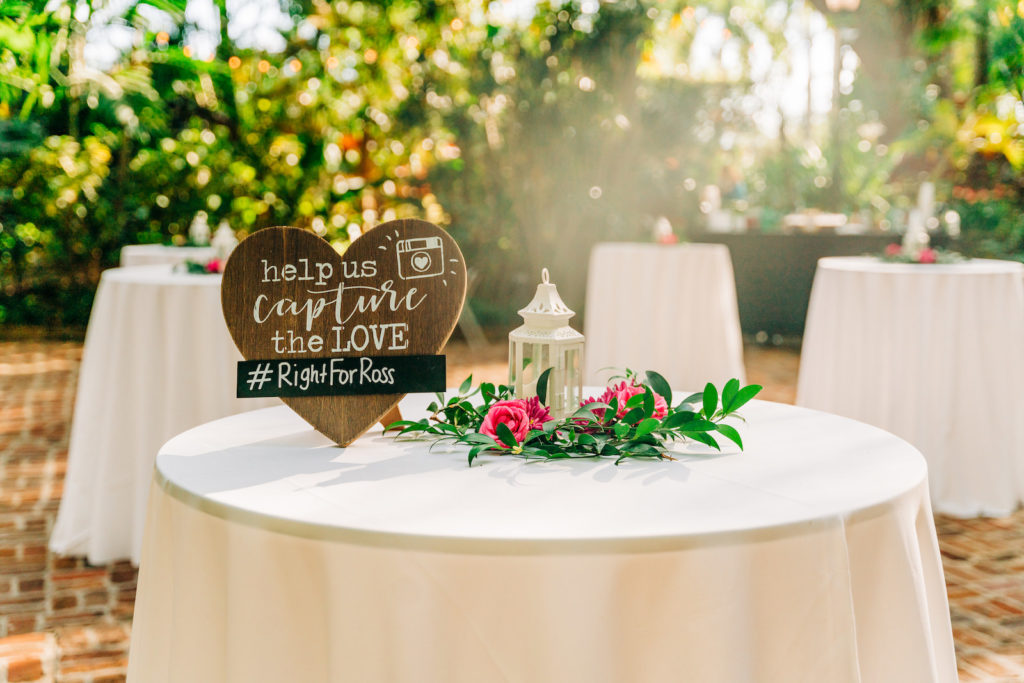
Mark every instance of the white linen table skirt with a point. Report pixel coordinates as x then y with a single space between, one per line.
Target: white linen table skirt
162 254
272 555
931 353
158 359
668 308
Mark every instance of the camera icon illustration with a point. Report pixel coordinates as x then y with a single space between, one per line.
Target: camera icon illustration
420 257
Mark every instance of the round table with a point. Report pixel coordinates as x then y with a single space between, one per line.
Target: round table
271 554
156 254
670 308
934 354
158 359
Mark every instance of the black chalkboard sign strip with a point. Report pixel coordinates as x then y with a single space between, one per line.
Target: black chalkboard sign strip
340 376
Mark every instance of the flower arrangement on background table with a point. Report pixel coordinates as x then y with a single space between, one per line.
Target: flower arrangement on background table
214 266
896 253
915 245
224 242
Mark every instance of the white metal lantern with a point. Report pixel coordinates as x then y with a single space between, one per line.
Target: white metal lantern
543 341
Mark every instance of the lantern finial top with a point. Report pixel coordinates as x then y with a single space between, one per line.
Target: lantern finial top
547 309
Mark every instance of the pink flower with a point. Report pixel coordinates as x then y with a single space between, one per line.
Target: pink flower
538 414
927 256
519 415
214 266
893 250
623 391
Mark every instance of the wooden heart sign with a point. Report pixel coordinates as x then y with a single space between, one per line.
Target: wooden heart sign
342 338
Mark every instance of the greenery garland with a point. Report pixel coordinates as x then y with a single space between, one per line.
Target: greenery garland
641 426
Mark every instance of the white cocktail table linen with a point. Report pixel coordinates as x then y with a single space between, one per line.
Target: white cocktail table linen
272 555
157 254
669 308
934 354
158 359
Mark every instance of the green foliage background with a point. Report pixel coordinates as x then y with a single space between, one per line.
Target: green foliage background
529 140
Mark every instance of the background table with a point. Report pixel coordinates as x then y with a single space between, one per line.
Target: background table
670 308
156 254
932 353
157 360
271 555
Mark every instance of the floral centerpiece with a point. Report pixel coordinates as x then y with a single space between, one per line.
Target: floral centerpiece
915 245
897 253
214 266
632 418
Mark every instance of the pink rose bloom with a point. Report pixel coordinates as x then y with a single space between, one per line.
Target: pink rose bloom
519 415
927 256
214 266
623 391
893 250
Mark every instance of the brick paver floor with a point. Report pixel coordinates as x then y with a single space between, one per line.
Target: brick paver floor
65 621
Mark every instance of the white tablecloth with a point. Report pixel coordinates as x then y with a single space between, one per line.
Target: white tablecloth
934 354
157 360
156 254
271 555
669 308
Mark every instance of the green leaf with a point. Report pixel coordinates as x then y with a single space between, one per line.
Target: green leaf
466 384
678 419
648 402
412 428
586 440
551 425
699 426
729 393
475 451
477 438
620 429
613 410
660 386
704 438
587 412
744 395
445 427
542 386
731 434
487 391
403 423
633 416
505 435
710 400
646 427
634 401
692 399
533 434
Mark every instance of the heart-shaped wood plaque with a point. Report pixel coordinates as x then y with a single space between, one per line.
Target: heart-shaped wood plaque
396 292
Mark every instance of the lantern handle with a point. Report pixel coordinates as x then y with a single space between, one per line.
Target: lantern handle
544 275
